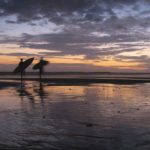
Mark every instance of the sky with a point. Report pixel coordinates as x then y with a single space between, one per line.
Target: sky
76 35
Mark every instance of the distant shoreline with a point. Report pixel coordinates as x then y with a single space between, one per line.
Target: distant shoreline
81 73
76 81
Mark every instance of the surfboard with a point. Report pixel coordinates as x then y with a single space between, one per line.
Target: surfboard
23 65
40 65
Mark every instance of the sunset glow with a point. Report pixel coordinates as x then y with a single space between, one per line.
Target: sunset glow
109 36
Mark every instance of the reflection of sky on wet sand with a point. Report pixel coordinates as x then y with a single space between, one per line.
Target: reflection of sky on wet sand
105 116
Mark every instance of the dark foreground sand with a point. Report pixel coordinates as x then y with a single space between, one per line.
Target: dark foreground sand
73 116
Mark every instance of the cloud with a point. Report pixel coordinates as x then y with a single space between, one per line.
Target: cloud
60 11
83 44
79 27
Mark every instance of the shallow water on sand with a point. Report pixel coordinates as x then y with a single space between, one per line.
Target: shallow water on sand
97 116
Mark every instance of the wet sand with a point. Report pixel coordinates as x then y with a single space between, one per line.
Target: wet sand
71 117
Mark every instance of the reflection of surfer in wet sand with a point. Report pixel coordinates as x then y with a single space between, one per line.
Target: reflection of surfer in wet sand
23 92
40 66
39 90
22 67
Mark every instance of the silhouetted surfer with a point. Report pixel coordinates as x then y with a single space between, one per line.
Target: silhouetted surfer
22 67
40 66
22 71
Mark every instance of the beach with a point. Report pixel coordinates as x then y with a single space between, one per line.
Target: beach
87 116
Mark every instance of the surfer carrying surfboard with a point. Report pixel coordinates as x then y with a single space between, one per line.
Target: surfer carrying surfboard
40 66
22 66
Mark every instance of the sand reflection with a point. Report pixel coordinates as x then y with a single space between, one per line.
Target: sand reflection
76 117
